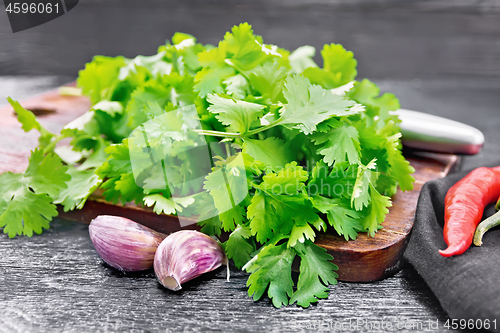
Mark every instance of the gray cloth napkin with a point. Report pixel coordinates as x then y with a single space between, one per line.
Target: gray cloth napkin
467 286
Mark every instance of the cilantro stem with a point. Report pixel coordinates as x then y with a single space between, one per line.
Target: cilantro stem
50 147
239 135
230 63
263 128
228 150
70 91
253 184
218 133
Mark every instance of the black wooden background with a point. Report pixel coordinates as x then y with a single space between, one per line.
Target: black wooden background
438 56
398 39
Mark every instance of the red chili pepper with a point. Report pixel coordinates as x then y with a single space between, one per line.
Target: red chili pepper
464 206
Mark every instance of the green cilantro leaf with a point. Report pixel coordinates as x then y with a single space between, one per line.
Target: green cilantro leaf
239 246
336 59
288 180
127 186
211 226
119 181
387 185
26 199
373 144
174 88
302 58
68 155
28 122
183 54
25 213
118 161
333 182
45 174
271 151
228 187
338 145
238 115
272 267
85 126
244 48
153 109
240 51
278 202
367 93
97 156
400 167
267 79
300 233
81 185
151 92
360 194
376 211
111 108
341 216
316 273
154 64
180 89
237 86
233 217
215 69
99 77
166 205
308 105
339 67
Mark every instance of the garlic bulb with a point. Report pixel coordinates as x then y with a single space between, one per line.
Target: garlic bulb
123 243
187 254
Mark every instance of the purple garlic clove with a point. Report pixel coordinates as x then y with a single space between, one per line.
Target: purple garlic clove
187 254
123 243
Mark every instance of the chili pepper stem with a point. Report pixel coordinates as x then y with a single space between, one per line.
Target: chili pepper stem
497 206
490 222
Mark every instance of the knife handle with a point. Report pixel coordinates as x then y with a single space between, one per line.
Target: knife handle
437 134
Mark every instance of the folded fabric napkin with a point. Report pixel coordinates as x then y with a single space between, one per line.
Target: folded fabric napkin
467 286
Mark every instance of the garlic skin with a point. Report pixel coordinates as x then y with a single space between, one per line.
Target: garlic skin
123 243
185 255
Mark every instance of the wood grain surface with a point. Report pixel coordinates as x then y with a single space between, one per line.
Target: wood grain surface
425 39
362 260
57 283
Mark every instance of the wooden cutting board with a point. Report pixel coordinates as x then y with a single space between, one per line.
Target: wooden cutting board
363 260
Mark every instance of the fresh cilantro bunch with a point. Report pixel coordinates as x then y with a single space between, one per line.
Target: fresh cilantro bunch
316 149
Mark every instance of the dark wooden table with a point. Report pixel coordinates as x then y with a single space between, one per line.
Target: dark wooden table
57 283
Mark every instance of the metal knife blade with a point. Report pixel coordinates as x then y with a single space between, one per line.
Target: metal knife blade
437 134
